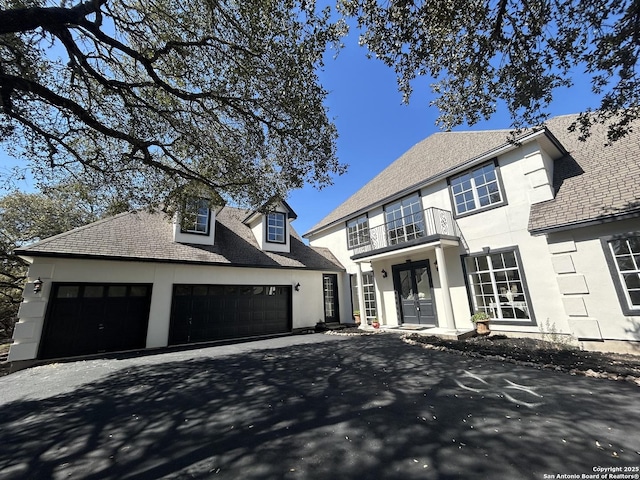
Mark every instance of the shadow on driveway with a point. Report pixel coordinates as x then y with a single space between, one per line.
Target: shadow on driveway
366 407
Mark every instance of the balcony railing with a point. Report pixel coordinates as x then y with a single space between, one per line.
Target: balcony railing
411 229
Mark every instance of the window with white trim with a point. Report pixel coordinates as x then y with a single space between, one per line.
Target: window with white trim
476 189
404 220
369 295
625 252
196 215
357 232
276 227
497 286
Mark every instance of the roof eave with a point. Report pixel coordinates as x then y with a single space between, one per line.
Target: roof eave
584 223
77 256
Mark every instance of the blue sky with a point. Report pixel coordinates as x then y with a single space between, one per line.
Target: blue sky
374 126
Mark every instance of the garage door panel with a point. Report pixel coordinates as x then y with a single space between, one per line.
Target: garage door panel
85 319
231 311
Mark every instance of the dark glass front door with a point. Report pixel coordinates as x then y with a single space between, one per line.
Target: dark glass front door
413 286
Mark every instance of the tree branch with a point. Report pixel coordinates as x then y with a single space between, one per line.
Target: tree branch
26 19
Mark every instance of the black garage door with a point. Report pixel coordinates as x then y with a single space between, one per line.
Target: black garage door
84 319
201 313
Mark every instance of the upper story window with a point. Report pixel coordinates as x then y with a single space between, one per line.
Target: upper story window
196 216
624 261
358 232
404 220
276 223
476 189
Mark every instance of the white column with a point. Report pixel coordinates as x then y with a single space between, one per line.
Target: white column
444 285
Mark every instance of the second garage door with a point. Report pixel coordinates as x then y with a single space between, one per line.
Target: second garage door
201 313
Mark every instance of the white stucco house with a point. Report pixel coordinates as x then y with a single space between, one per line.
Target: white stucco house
141 280
542 233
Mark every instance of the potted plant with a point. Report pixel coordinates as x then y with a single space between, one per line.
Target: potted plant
481 321
356 316
375 323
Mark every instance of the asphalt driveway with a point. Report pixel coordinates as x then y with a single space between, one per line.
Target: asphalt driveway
314 407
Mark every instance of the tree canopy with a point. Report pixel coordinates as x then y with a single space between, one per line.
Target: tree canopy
28 217
151 96
480 53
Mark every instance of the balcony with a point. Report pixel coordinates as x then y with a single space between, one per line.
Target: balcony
418 228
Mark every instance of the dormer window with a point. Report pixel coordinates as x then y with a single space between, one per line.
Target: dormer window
196 216
276 227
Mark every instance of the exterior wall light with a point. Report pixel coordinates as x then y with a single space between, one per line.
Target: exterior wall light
297 287
37 286
384 273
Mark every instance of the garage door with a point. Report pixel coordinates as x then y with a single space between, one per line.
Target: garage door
84 319
201 313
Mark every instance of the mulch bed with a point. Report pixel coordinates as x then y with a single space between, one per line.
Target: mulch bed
541 354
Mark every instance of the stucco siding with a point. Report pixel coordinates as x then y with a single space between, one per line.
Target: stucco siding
602 316
307 303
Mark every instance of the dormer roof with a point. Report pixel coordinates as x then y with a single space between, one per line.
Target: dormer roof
270 206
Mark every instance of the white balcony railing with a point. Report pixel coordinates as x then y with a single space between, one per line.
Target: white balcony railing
410 229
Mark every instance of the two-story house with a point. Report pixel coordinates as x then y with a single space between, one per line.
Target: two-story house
542 232
143 280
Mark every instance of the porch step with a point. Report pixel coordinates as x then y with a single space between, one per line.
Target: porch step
434 332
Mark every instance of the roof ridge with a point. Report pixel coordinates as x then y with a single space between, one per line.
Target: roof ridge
492 130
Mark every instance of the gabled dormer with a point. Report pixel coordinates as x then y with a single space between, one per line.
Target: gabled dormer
196 222
271 226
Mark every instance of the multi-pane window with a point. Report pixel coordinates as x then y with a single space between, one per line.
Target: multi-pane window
626 255
276 227
369 295
404 220
358 232
476 189
497 286
195 218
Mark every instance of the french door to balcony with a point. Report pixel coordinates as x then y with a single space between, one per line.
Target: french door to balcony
414 289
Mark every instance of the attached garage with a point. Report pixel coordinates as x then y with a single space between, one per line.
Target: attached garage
85 319
143 280
202 313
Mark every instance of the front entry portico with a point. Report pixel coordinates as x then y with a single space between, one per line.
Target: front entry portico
414 292
408 296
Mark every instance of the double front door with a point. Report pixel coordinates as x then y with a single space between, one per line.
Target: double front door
414 290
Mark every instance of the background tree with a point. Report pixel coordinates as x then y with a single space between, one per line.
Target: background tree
28 217
153 95
483 52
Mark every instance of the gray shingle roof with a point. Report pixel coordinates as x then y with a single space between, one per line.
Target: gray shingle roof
148 236
427 159
594 182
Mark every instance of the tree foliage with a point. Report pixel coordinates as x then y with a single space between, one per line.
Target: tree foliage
153 95
28 217
482 52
